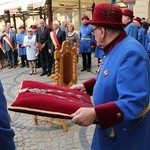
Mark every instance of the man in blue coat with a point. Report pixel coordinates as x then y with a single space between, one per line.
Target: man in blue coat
141 31
121 102
127 19
86 39
147 44
21 48
6 133
99 53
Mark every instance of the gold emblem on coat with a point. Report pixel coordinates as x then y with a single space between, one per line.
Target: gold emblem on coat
105 73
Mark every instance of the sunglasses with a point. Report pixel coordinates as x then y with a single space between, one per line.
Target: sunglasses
29 31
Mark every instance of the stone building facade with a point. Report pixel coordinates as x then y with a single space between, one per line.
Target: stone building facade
142 9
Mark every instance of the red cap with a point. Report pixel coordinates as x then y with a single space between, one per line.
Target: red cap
85 17
107 15
33 26
138 19
21 26
128 12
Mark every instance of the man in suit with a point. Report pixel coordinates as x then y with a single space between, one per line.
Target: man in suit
60 34
42 39
9 44
13 30
57 37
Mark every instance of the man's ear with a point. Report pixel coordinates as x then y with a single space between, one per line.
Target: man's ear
103 32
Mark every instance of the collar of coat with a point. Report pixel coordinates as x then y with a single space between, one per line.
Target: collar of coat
114 42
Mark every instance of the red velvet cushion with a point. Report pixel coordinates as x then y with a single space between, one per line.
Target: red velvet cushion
52 101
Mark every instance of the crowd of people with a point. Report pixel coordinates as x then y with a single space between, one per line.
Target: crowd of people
35 46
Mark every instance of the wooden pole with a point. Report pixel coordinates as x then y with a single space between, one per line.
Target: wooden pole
79 1
24 19
6 16
40 13
14 20
50 14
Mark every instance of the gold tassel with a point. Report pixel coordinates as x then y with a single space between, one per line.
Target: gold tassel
112 132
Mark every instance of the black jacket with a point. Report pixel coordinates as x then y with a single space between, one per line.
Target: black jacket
61 36
43 37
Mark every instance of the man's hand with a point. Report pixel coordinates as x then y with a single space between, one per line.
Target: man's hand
43 45
28 46
36 44
22 45
17 46
50 51
84 116
78 50
79 87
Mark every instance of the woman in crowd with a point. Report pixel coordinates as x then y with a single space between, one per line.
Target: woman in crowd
29 42
72 36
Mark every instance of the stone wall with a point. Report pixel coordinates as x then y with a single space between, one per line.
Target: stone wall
142 8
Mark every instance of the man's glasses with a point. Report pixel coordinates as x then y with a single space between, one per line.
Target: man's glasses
94 30
29 31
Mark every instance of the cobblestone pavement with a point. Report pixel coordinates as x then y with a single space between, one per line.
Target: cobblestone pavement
44 136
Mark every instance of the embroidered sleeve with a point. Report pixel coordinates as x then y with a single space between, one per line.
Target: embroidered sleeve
108 115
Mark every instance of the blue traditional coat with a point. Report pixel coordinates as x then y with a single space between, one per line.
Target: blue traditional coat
132 30
120 97
86 38
98 52
6 133
147 44
142 35
20 38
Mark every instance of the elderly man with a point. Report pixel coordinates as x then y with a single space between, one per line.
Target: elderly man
57 37
121 104
141 31
42 39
